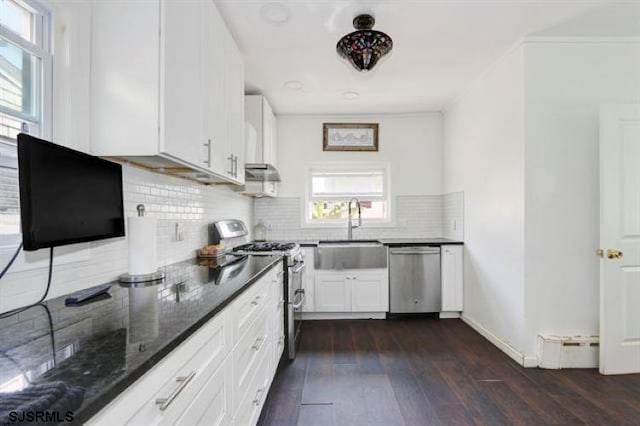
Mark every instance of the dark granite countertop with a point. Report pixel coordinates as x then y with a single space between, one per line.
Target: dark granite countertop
398 242
82 357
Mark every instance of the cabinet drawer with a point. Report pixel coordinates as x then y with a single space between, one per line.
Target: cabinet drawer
177 378
213 405
250 406
246 355
247 307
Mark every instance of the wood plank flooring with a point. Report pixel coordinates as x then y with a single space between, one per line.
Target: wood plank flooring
433 372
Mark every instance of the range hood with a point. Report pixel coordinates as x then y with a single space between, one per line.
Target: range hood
256 172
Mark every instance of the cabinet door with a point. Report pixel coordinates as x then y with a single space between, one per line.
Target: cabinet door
369 291
182 37
332 292
452 278
235 109
214 106
268 123
124 97
213 404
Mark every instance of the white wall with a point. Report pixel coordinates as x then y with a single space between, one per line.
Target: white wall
484 157
411 144
566 82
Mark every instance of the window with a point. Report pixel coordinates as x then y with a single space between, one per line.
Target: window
330 187
25 87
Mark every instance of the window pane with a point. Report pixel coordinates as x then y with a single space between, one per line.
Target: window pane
348 184
17 19
9 201
338 210
18 77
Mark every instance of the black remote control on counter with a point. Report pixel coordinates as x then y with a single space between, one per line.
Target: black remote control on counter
84 295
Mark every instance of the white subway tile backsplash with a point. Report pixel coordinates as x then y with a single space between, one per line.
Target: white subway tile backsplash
167 198
415 216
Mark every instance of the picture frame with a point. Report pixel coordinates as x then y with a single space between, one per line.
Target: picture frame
350 137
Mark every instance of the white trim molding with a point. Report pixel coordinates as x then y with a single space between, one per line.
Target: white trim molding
517 356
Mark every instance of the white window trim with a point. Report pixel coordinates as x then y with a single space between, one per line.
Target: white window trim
390 222
43 50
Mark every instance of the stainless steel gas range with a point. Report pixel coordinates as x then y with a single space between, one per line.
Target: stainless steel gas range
293 279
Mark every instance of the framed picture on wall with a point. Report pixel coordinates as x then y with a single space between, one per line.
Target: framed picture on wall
350 136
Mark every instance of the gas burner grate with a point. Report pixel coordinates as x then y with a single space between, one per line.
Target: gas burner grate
265 247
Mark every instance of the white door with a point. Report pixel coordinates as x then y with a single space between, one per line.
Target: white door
214 68
182 37
452 284
333 292
620 239
369 292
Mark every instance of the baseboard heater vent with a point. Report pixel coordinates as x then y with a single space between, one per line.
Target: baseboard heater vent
555 352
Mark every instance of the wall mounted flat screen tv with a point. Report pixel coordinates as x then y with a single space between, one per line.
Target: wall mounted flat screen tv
67 196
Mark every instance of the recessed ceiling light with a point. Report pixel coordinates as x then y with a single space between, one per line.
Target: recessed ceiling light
350 96
294 85
275 13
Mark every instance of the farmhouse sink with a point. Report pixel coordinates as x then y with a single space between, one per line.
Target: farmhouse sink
350 242
350 254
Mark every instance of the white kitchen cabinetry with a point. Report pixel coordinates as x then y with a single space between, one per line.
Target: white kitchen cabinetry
220 375
261 142
167 88
352 291
452 278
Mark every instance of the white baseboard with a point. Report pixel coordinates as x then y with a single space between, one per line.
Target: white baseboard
449 314
342 315
517 356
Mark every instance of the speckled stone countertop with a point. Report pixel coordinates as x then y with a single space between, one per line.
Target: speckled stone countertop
398 242
82 357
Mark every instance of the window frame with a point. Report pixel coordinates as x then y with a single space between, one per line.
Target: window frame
307 222
42 49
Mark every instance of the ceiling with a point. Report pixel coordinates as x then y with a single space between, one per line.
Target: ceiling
438 47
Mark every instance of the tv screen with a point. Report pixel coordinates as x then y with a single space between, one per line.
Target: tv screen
67 196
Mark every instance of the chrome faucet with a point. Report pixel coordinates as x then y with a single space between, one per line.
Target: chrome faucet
350 225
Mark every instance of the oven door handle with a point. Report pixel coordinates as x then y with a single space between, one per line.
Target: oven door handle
298 305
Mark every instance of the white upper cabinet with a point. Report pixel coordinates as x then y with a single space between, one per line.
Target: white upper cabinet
259 114
167 88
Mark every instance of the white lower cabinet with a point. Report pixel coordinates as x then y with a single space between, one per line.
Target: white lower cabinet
452 278
352 291
220 375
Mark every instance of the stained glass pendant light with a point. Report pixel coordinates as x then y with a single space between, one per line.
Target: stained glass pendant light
364 47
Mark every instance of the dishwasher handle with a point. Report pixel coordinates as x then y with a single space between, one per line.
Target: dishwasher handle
415 250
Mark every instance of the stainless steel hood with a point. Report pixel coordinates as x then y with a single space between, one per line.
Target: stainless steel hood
256 172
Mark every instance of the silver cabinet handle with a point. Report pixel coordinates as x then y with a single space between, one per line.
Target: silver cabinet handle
183 381
258 397
235 166
258 344
230 158
256 300
208 160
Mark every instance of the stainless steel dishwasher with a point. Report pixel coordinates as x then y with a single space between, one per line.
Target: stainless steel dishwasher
414 279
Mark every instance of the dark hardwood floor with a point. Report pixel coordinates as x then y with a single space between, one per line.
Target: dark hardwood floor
429 371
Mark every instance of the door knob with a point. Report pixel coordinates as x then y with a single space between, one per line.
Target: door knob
614 254
600 253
